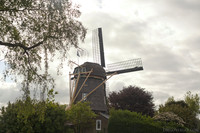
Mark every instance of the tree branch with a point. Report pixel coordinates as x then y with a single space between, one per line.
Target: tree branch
21 45
18 10
30 66
36 45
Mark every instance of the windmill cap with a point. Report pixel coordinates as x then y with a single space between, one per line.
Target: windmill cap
98 70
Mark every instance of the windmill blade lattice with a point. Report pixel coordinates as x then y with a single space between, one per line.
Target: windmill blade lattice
125 66
97 44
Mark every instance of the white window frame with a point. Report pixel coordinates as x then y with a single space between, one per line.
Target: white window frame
83 69
79 70
98 125
84 96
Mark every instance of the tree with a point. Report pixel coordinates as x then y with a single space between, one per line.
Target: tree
187 109
81 116
16 118
133 98
193 101
34 31
181 109
198 124
55 119
169 117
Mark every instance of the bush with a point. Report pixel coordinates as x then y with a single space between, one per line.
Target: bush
169 117
132 122
30 117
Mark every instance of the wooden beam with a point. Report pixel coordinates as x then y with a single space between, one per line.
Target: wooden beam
75 63
70 102
92 76
97 77
70 89
82 85
97 87
76 86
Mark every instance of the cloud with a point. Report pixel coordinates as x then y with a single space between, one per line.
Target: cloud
160 97
9 92
168 42
116 85
165 34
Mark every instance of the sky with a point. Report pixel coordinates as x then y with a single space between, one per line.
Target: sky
163 33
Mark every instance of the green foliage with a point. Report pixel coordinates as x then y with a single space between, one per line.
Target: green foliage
193 101
187 110
169 117
198 124
184 112
81 116
51 96
123 121
27 117
170 99
33 32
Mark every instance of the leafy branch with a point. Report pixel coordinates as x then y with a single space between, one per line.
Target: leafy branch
21 45
31 30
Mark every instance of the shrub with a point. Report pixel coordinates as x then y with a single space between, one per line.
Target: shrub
132 122
25 117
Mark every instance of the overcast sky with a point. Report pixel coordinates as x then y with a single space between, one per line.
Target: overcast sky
163 33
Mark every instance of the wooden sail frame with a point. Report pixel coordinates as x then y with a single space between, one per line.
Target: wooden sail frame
73 94
97 87
82 85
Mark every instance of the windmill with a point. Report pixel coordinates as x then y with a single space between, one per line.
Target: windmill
87 82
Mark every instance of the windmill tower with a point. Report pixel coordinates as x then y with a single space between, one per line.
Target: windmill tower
87 82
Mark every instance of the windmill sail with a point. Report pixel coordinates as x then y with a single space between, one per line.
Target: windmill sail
98 49
125 66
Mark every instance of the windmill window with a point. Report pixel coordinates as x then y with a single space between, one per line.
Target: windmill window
83 69
85 84
84 96
98 124
78 70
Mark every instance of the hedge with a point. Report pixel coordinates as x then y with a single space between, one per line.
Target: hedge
123 121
